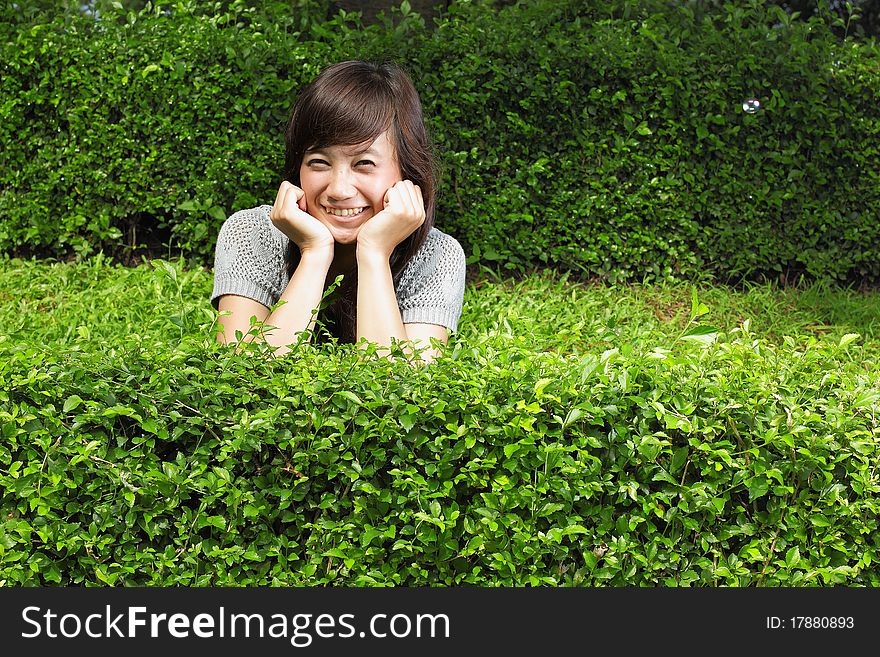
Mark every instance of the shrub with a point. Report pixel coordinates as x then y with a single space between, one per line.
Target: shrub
686 457
141 126
596 138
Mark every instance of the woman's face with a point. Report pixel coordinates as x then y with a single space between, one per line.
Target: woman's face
345 185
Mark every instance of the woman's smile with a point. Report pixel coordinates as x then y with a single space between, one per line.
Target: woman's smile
349 214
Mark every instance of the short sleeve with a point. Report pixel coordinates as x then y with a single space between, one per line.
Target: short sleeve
431 288
249 259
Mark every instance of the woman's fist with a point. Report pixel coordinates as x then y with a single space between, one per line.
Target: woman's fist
403 213
290 215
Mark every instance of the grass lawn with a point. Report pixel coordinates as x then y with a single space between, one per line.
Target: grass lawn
50 303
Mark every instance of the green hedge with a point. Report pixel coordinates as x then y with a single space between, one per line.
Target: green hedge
592 137
145 462
617 144
623 443
120 128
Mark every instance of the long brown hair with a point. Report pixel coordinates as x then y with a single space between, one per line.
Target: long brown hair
352 103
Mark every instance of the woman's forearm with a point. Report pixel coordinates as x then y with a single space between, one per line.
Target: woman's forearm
302 298
378 315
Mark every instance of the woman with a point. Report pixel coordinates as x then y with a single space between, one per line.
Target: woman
358 199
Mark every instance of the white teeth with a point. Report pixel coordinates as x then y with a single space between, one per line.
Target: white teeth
344 212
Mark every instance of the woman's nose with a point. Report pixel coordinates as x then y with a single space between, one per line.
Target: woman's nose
340 186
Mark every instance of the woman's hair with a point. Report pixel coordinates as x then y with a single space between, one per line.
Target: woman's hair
352 103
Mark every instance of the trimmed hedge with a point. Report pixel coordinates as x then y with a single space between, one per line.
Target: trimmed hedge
617 145
609 448
144 462
591 137
141 126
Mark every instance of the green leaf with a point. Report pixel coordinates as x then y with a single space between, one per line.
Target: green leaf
820 520
679 457
758 487
573 416
369 534
588 366
335 552
217 213
72 402
52 574
407 422
117 410
590 560
703 334
865 399
511 449
222 473
348 394
217 521
165 267
698 309
104 576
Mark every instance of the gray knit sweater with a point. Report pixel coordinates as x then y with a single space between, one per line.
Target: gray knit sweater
249 261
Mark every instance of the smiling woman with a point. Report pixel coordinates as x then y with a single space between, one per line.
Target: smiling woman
358 200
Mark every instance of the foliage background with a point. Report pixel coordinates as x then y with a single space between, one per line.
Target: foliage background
606 139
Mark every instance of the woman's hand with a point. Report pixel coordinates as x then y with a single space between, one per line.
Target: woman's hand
290 216
404 212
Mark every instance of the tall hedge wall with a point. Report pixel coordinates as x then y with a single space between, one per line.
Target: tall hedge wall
589 136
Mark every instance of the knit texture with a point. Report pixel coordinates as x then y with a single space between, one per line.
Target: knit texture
249 262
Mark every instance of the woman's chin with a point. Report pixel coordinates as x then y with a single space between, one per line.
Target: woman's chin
345 235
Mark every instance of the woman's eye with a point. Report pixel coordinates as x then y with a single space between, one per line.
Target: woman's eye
364 163
317 162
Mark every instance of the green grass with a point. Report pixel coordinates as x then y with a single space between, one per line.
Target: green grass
51 303
564 315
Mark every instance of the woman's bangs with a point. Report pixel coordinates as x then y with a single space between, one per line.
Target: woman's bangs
353 119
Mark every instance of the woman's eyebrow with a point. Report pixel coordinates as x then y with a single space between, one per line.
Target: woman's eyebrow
357 152
354 151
